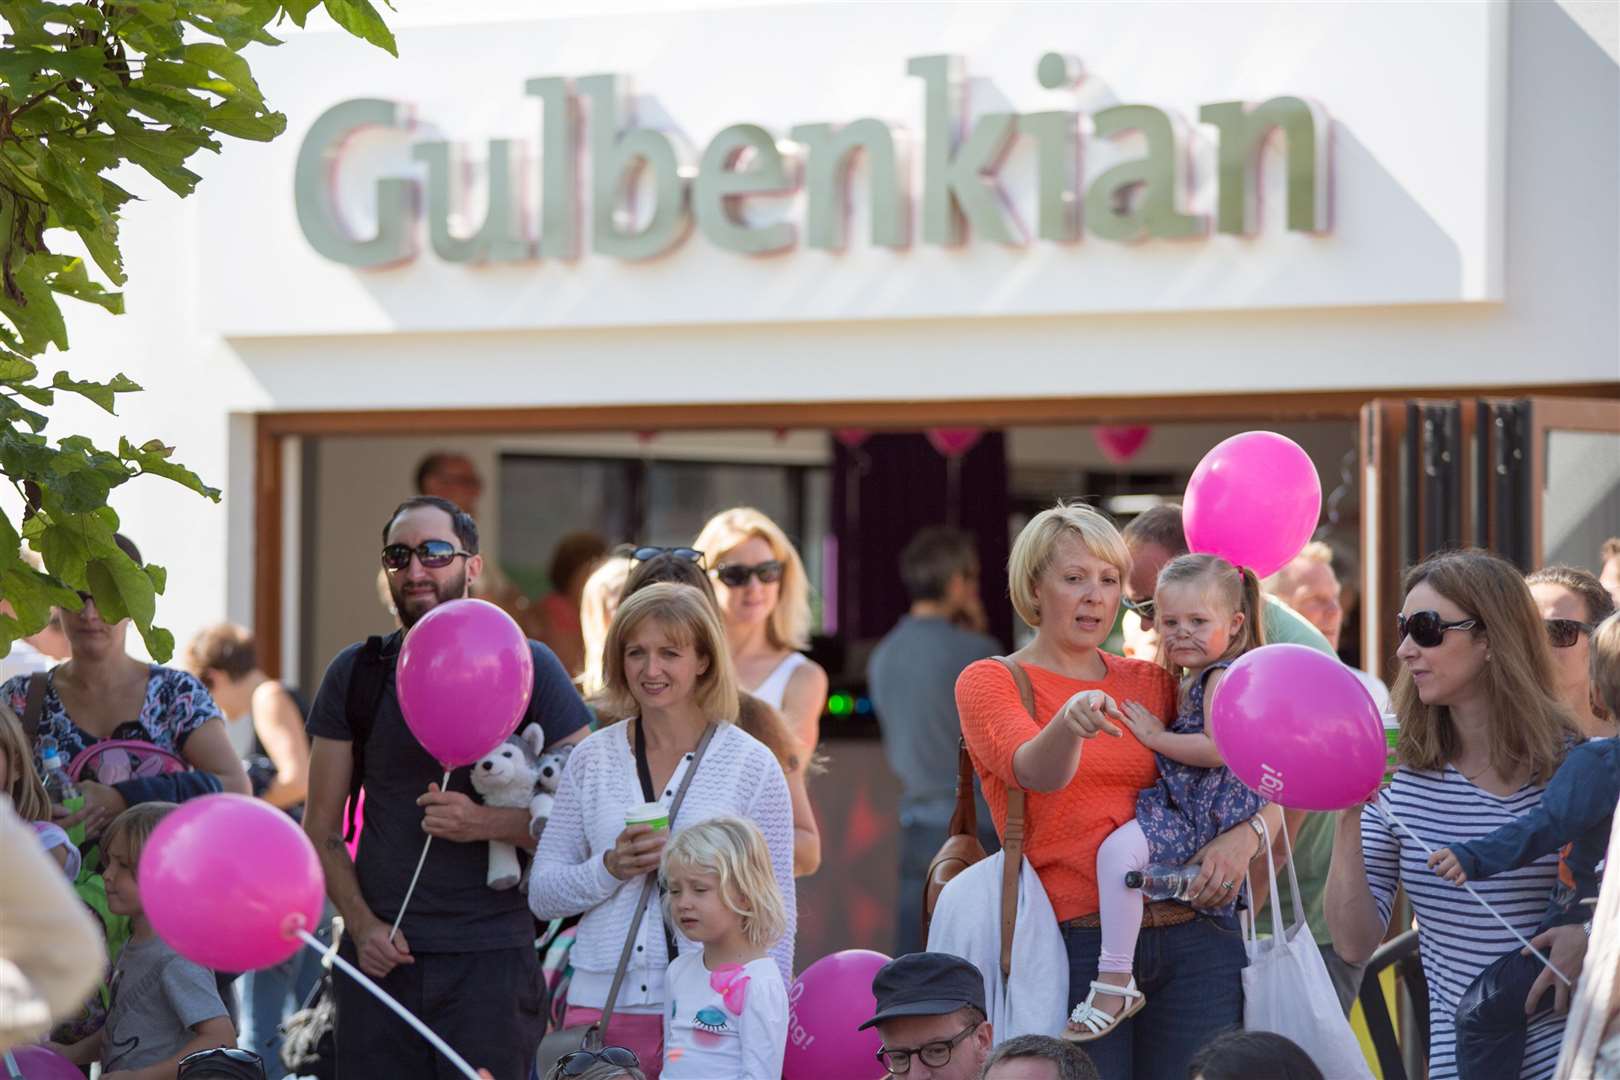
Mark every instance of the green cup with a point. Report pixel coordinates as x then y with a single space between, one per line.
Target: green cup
654 815
1392 735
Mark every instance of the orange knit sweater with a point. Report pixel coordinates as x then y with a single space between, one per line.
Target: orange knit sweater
1064 828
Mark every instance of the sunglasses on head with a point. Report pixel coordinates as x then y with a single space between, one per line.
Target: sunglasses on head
1565 632
433 554
1143 608
580 1061
1427 629
646 554
736 575
222 1061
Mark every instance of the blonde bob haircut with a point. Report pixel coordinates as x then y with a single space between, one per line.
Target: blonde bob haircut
1036 547
136 825
1605 665
687 617
789 626
733 850
1529 727
597 603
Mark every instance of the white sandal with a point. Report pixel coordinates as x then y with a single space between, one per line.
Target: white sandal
1088 1022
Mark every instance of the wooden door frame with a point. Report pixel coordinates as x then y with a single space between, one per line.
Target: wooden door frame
273 428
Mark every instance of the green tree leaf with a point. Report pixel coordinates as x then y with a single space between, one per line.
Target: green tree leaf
359 18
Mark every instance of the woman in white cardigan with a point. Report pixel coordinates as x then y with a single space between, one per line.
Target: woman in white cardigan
665 665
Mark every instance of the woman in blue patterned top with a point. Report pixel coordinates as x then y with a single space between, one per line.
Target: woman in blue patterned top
102 692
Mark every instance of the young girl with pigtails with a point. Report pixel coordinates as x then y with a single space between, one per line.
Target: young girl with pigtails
1208 613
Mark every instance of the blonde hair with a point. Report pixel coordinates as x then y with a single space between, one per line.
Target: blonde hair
789 626
596 607
136 826
1529 727
1236 589
734 850
1036 547
1282 582
1605 664
26 789
687 617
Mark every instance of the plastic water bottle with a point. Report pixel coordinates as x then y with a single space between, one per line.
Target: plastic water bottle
59 786
1163 881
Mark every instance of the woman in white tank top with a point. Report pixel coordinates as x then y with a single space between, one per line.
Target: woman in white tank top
765 596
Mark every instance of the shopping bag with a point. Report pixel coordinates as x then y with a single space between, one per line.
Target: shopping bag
1287 989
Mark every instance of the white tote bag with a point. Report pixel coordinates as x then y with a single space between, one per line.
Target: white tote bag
1287 990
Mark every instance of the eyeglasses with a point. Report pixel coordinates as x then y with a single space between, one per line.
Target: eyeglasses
250 1061
1143 608
1565 632
1427 629
736 576
434 555
646 554
935 1055
580 1061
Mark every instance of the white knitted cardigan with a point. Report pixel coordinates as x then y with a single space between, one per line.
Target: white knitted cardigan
739 776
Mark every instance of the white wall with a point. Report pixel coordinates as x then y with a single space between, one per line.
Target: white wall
1557 322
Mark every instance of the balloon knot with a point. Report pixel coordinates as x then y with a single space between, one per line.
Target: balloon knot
292 924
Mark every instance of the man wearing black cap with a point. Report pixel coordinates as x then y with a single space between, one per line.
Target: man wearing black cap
930 1012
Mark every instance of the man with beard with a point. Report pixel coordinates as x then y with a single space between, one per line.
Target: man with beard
463 959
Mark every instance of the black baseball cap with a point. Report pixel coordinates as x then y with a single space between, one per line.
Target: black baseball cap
925 984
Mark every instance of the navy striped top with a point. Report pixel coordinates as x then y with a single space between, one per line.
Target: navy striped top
1457 937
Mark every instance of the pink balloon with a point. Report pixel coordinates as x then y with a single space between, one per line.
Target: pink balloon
465 673
228 881
1298 727
1254 500
1120 443
829 1000
38 1063
954 441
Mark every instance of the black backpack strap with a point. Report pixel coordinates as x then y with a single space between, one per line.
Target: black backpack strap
366 683
34 709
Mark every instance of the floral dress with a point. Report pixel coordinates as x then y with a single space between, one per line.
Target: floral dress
1190 806
176 704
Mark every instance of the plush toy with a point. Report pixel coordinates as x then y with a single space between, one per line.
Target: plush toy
506 776
551 770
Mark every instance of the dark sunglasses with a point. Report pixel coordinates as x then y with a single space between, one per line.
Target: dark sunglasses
1427 629
222 1060
647 554
1565 632
434 555
736 576
1143 608
580 1061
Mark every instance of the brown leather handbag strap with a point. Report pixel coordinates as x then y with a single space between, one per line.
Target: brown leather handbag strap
1012 839
965 818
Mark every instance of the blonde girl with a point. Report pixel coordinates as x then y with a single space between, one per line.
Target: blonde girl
27 792
1207 615
765 596
727 1012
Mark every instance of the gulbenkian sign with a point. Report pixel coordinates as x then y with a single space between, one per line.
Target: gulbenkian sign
961 193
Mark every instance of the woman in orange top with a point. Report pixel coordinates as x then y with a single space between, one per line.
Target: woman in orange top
1065 578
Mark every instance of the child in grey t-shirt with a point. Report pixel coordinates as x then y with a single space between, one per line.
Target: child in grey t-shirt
163 1005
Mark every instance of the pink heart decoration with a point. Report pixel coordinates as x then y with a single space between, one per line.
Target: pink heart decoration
1119 443
954 442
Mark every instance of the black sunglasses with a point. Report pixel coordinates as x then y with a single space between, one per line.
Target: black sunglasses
647 554
935 1055
434 555
222 1061
1143 608
580 1061
1427 629
736 575
1565 632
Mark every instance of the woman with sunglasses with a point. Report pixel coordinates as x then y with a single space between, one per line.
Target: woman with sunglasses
1573 601
1481 734
765 597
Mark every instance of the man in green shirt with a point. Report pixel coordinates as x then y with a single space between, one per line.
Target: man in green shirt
1154 538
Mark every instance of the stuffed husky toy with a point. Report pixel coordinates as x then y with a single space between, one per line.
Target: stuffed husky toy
507 776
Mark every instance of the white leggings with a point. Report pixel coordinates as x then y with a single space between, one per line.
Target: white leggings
1120 908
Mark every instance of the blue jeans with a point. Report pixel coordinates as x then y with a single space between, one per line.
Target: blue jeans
266 998
1192 976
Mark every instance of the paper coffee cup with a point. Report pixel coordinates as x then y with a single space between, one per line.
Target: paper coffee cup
652 814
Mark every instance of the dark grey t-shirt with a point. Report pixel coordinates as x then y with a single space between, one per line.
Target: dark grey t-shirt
912 679
453 910
158 996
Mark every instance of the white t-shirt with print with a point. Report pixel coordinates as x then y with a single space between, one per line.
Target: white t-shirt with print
731 1022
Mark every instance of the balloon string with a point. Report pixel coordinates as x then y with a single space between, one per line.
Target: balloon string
1427 850
444 785
330 955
